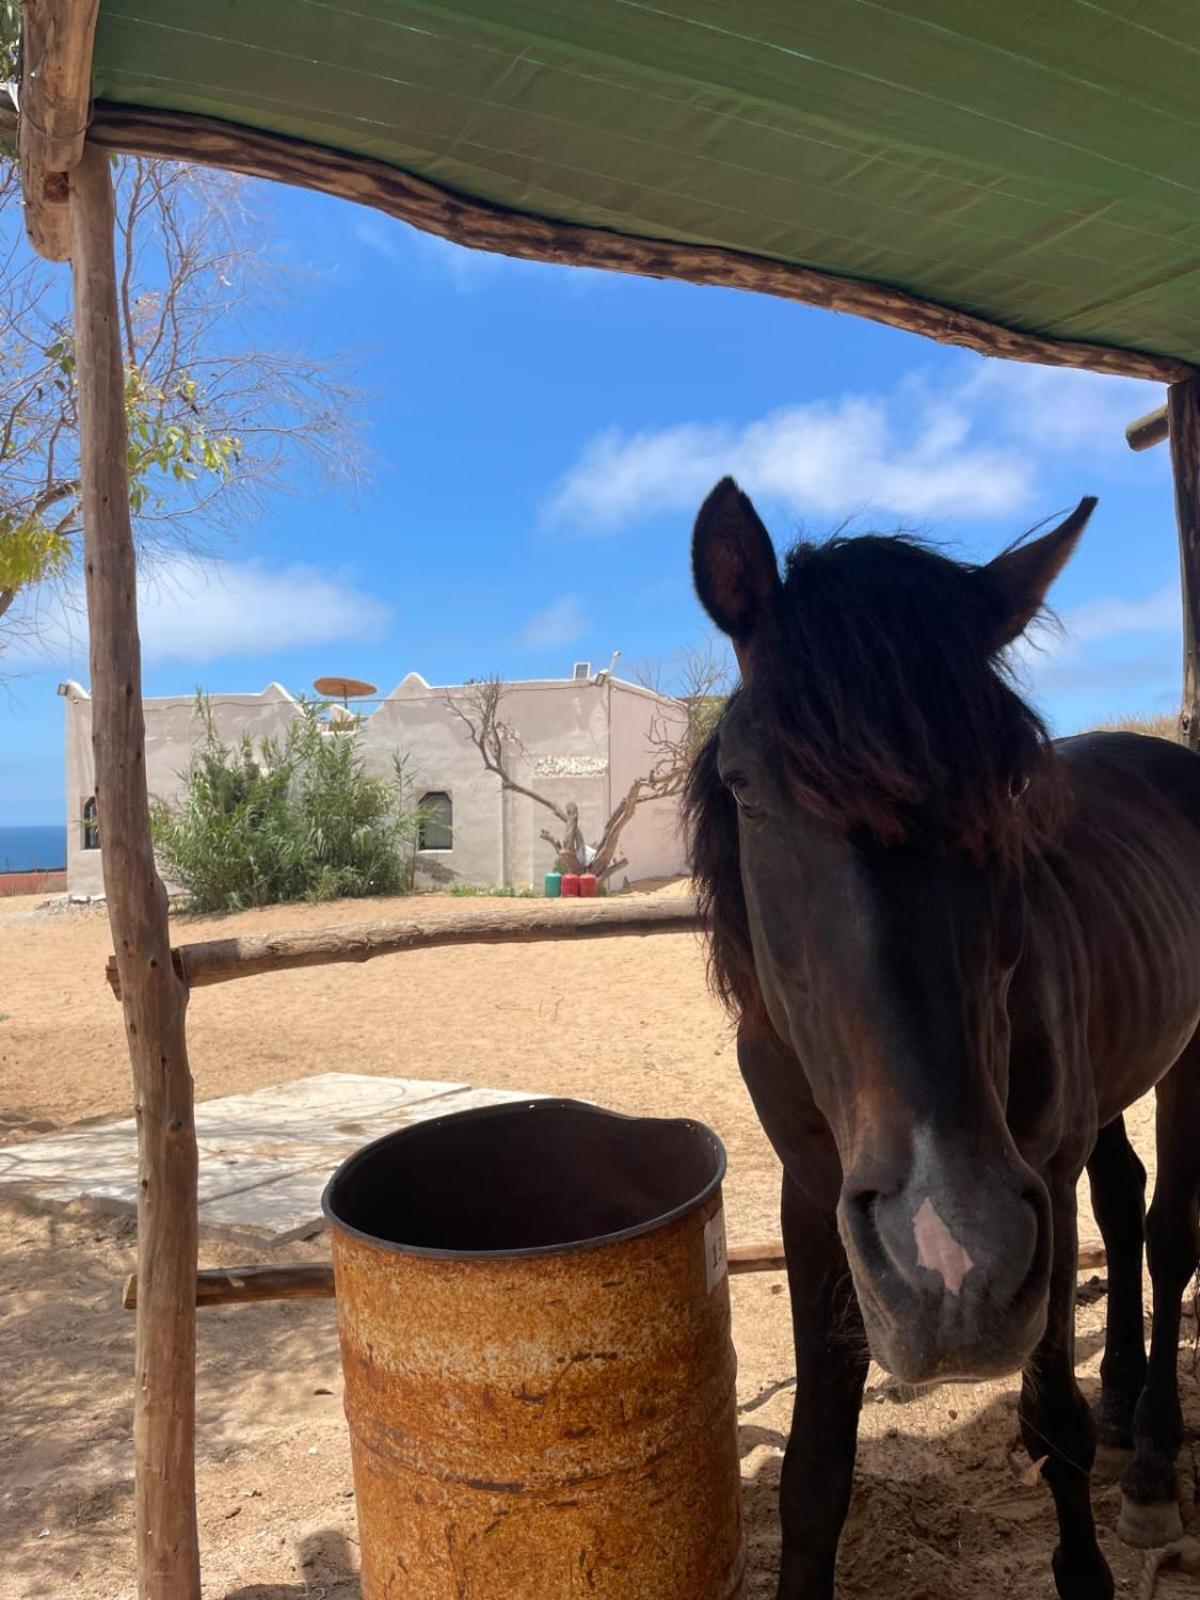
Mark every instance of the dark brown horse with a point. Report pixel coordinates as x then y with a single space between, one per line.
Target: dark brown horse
956 952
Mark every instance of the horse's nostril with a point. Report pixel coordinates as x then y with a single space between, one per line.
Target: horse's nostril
863 1205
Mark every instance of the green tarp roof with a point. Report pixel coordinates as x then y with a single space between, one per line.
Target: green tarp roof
1036 162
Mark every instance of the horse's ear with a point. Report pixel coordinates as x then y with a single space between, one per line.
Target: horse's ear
733 562
1016 583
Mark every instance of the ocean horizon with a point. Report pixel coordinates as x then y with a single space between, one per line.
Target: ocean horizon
28 849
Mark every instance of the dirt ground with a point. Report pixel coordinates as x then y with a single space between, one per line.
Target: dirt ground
942 1507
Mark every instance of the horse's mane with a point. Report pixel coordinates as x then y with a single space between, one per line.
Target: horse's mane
879 689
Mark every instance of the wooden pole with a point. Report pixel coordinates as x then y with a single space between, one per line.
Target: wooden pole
55 96
1143 432
154 1000
313 1280
529 922
1183 414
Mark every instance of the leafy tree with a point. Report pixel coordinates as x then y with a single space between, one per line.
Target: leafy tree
300 817
217 414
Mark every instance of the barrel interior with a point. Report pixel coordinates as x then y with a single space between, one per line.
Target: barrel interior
518 1179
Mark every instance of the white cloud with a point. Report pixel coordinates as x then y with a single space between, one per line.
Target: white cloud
1053 659
198 612
1111 618
468 270
558 624
969 447
379 235
1054 409
910 456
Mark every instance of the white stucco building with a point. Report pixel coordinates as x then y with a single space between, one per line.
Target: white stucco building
584 739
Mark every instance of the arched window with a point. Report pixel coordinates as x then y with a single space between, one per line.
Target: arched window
91 824
437 821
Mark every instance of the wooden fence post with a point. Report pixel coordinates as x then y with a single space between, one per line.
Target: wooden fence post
1183 412
153 997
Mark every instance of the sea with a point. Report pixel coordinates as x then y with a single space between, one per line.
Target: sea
23 849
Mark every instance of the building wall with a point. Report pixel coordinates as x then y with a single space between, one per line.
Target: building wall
416 723
171 734
561 752
653 840
563 749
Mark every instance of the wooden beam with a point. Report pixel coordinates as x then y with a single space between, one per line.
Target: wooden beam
231 1286
182 136
1183 412
154 1000
1148 430
238 1286
56 87
519 922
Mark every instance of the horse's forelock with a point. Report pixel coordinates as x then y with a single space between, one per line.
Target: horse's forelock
878 696
886 707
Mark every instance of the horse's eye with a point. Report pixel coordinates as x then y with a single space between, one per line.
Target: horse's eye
738 788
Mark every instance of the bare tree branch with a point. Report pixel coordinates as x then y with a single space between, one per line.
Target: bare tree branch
701 678
677 731
478 709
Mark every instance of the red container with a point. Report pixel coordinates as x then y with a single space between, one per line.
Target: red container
570 883
587 885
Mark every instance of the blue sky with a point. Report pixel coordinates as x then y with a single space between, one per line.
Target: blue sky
539 441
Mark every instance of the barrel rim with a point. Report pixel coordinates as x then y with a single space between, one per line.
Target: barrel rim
527 1252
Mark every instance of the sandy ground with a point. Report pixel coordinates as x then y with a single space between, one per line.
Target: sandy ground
942 1507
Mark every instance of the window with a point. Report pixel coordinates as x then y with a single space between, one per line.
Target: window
91 824
437 821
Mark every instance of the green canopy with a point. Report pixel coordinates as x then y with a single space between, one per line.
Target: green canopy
1034 162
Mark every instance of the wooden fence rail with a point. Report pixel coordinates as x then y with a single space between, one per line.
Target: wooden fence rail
520 922
236 1286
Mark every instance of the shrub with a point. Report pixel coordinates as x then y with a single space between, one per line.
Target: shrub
300 818
1163 726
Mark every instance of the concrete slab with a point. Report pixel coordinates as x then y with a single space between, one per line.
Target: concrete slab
265 1157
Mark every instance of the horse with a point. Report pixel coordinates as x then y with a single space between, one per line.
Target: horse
956 952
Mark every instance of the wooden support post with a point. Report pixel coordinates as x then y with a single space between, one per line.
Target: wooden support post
153 997
1183 412
55 95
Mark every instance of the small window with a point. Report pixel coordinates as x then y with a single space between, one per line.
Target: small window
91 824
437 821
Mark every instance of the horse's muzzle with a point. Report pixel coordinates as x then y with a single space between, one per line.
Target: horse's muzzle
952 1268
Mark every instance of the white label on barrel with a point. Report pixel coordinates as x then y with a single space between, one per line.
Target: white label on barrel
715 1263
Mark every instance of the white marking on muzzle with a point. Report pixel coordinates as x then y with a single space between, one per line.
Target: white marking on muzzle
938 1249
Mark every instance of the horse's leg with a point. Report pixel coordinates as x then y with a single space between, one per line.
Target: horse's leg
1149 1507
831 1368
1118 1185
1056 1422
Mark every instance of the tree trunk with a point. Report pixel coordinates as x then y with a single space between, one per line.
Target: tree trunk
153 997
1183 409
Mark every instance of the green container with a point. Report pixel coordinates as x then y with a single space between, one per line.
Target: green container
554 886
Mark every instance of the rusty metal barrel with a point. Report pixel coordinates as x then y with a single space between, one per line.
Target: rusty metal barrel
540 1382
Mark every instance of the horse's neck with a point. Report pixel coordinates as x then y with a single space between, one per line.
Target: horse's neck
1112 963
